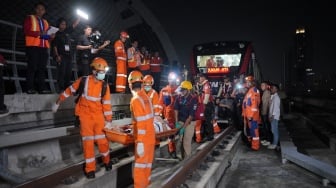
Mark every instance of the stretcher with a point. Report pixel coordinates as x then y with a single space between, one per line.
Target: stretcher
124 135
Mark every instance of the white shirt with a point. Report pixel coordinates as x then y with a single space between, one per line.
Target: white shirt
274 109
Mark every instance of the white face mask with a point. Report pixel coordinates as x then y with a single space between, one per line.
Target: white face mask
147 88
100 76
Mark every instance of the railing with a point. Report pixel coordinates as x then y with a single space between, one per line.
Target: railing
13 49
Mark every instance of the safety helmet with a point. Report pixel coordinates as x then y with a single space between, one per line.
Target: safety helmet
249 78
124 34
135 76
99 64
148 80
186 85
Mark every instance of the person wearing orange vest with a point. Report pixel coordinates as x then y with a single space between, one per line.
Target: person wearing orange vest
133 57
148 82
144 133
204 114
121 57
166 100
94 111
37 45
155 67
251 112
144 67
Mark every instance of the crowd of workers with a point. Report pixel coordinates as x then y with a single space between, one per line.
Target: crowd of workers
189 106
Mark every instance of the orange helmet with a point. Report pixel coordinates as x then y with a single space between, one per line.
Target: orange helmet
148 80
99 64
124 34
135 76
249 78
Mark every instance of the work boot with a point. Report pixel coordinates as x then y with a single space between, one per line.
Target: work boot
108 166
90 175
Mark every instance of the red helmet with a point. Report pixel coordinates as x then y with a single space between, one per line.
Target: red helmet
148 80
135 76
124 34
99 64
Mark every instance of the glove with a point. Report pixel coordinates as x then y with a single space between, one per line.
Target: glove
178 125
54 107
181 132
108 125
140 149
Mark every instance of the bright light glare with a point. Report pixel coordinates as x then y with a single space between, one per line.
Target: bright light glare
82 14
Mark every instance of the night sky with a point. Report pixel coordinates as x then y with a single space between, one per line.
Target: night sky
270 25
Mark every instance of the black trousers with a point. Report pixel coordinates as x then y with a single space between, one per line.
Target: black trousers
2 89
157 80
37 64
64 70
84 67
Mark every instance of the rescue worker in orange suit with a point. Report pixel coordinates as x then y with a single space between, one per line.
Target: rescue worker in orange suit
251 112
144 133
37 45
185 106
205 111
148 82
121 57
94 111
155 67
166 100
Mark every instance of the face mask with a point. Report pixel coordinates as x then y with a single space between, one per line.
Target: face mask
147 88
100 76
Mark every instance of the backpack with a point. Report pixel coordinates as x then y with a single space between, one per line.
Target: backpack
80 89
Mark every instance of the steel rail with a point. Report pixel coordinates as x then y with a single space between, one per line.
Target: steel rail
181 174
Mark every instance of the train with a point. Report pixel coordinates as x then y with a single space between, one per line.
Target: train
224 58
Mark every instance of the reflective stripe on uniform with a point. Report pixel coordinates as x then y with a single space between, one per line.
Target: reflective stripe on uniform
255 138
143 165
105 154
87 138
99 136
141 131
120 86
90 160
121 58
107 113
106 101
122 75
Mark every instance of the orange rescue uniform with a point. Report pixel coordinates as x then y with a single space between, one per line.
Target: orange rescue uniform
144 132
121 58
166 100
251 114
93 110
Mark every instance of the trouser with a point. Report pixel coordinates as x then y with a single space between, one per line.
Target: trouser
143 165
37 63
254 133
64 70
275 131
266 128
198 133
186 139
208 116
2 89
157 82
121 76
169 115
84 67
91 130
146 72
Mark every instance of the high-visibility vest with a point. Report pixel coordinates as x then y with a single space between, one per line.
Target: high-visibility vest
155 64
35 26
